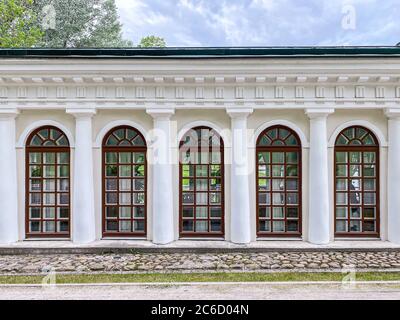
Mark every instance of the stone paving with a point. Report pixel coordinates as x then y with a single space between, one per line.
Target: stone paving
192 262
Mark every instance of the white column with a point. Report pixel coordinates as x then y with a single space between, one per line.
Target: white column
163 204
240 190
319 217
8 181
394 175
83 214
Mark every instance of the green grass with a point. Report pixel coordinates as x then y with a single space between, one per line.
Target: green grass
200 277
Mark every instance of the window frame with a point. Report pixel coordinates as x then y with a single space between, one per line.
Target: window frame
46 149
205 235
284 149
119 149
357 148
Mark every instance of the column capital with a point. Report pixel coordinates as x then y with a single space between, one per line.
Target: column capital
392 113
239 112
157 113
314 113
8 113
81 112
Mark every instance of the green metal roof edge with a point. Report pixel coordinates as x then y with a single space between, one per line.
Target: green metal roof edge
202 52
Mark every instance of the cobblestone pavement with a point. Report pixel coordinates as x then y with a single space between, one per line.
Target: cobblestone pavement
191 262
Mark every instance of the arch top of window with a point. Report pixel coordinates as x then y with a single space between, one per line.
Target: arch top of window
48 137
356 136
278 136
201 137
124 137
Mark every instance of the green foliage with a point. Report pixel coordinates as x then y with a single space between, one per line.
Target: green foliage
152 41
18 24
80 23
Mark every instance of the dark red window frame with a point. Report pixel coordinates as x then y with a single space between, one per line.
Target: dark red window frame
289 143
198 149
365 144
125 145
37 143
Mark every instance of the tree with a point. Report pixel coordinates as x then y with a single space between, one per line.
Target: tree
152 41
80 23
18 24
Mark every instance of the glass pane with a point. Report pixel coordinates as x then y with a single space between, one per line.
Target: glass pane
369 157
341 212
49 199
264 212
369 226
187 170
201 171
111 171
188 225
355 198
201 226
35 199
278 212
35 171
215 171
292 198
112 226
215 185
188 212
34 226
35 185
188 198
369 213
265 226
111 198
278 184
292 212
138 226
292 157
292 184
63 198
278 171
125 157
355 213
341 171
292 171
264 157
341 157
125 170
355 184
63 158
278 157
215 225
263 171
341 184
49 212
215 212
125 198
49 226
138 157
341 226
201 212
201 198
215 198
355 157
62 213
139 171
49 185
138 198
35 157
125 184
355 226
264 198
111 184
138 212
355 171
49 158
63 171
111 157
292 226
201 184
278 198
125 212
278 226
111 212
341 198
125 226
369 198
369 170
63 226
34 213
369 184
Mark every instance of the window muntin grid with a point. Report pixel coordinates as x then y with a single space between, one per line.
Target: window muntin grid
201 183
47 184
124 183
278 185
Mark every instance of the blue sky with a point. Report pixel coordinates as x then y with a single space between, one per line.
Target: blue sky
263 22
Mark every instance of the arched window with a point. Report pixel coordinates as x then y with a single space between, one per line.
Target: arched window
278 183
47 184
124 183
201 183
356 183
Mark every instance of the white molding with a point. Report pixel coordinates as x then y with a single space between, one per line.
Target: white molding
116 123
224 133
37 124
378 133
281 122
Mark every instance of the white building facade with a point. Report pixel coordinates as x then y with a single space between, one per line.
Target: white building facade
235 144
